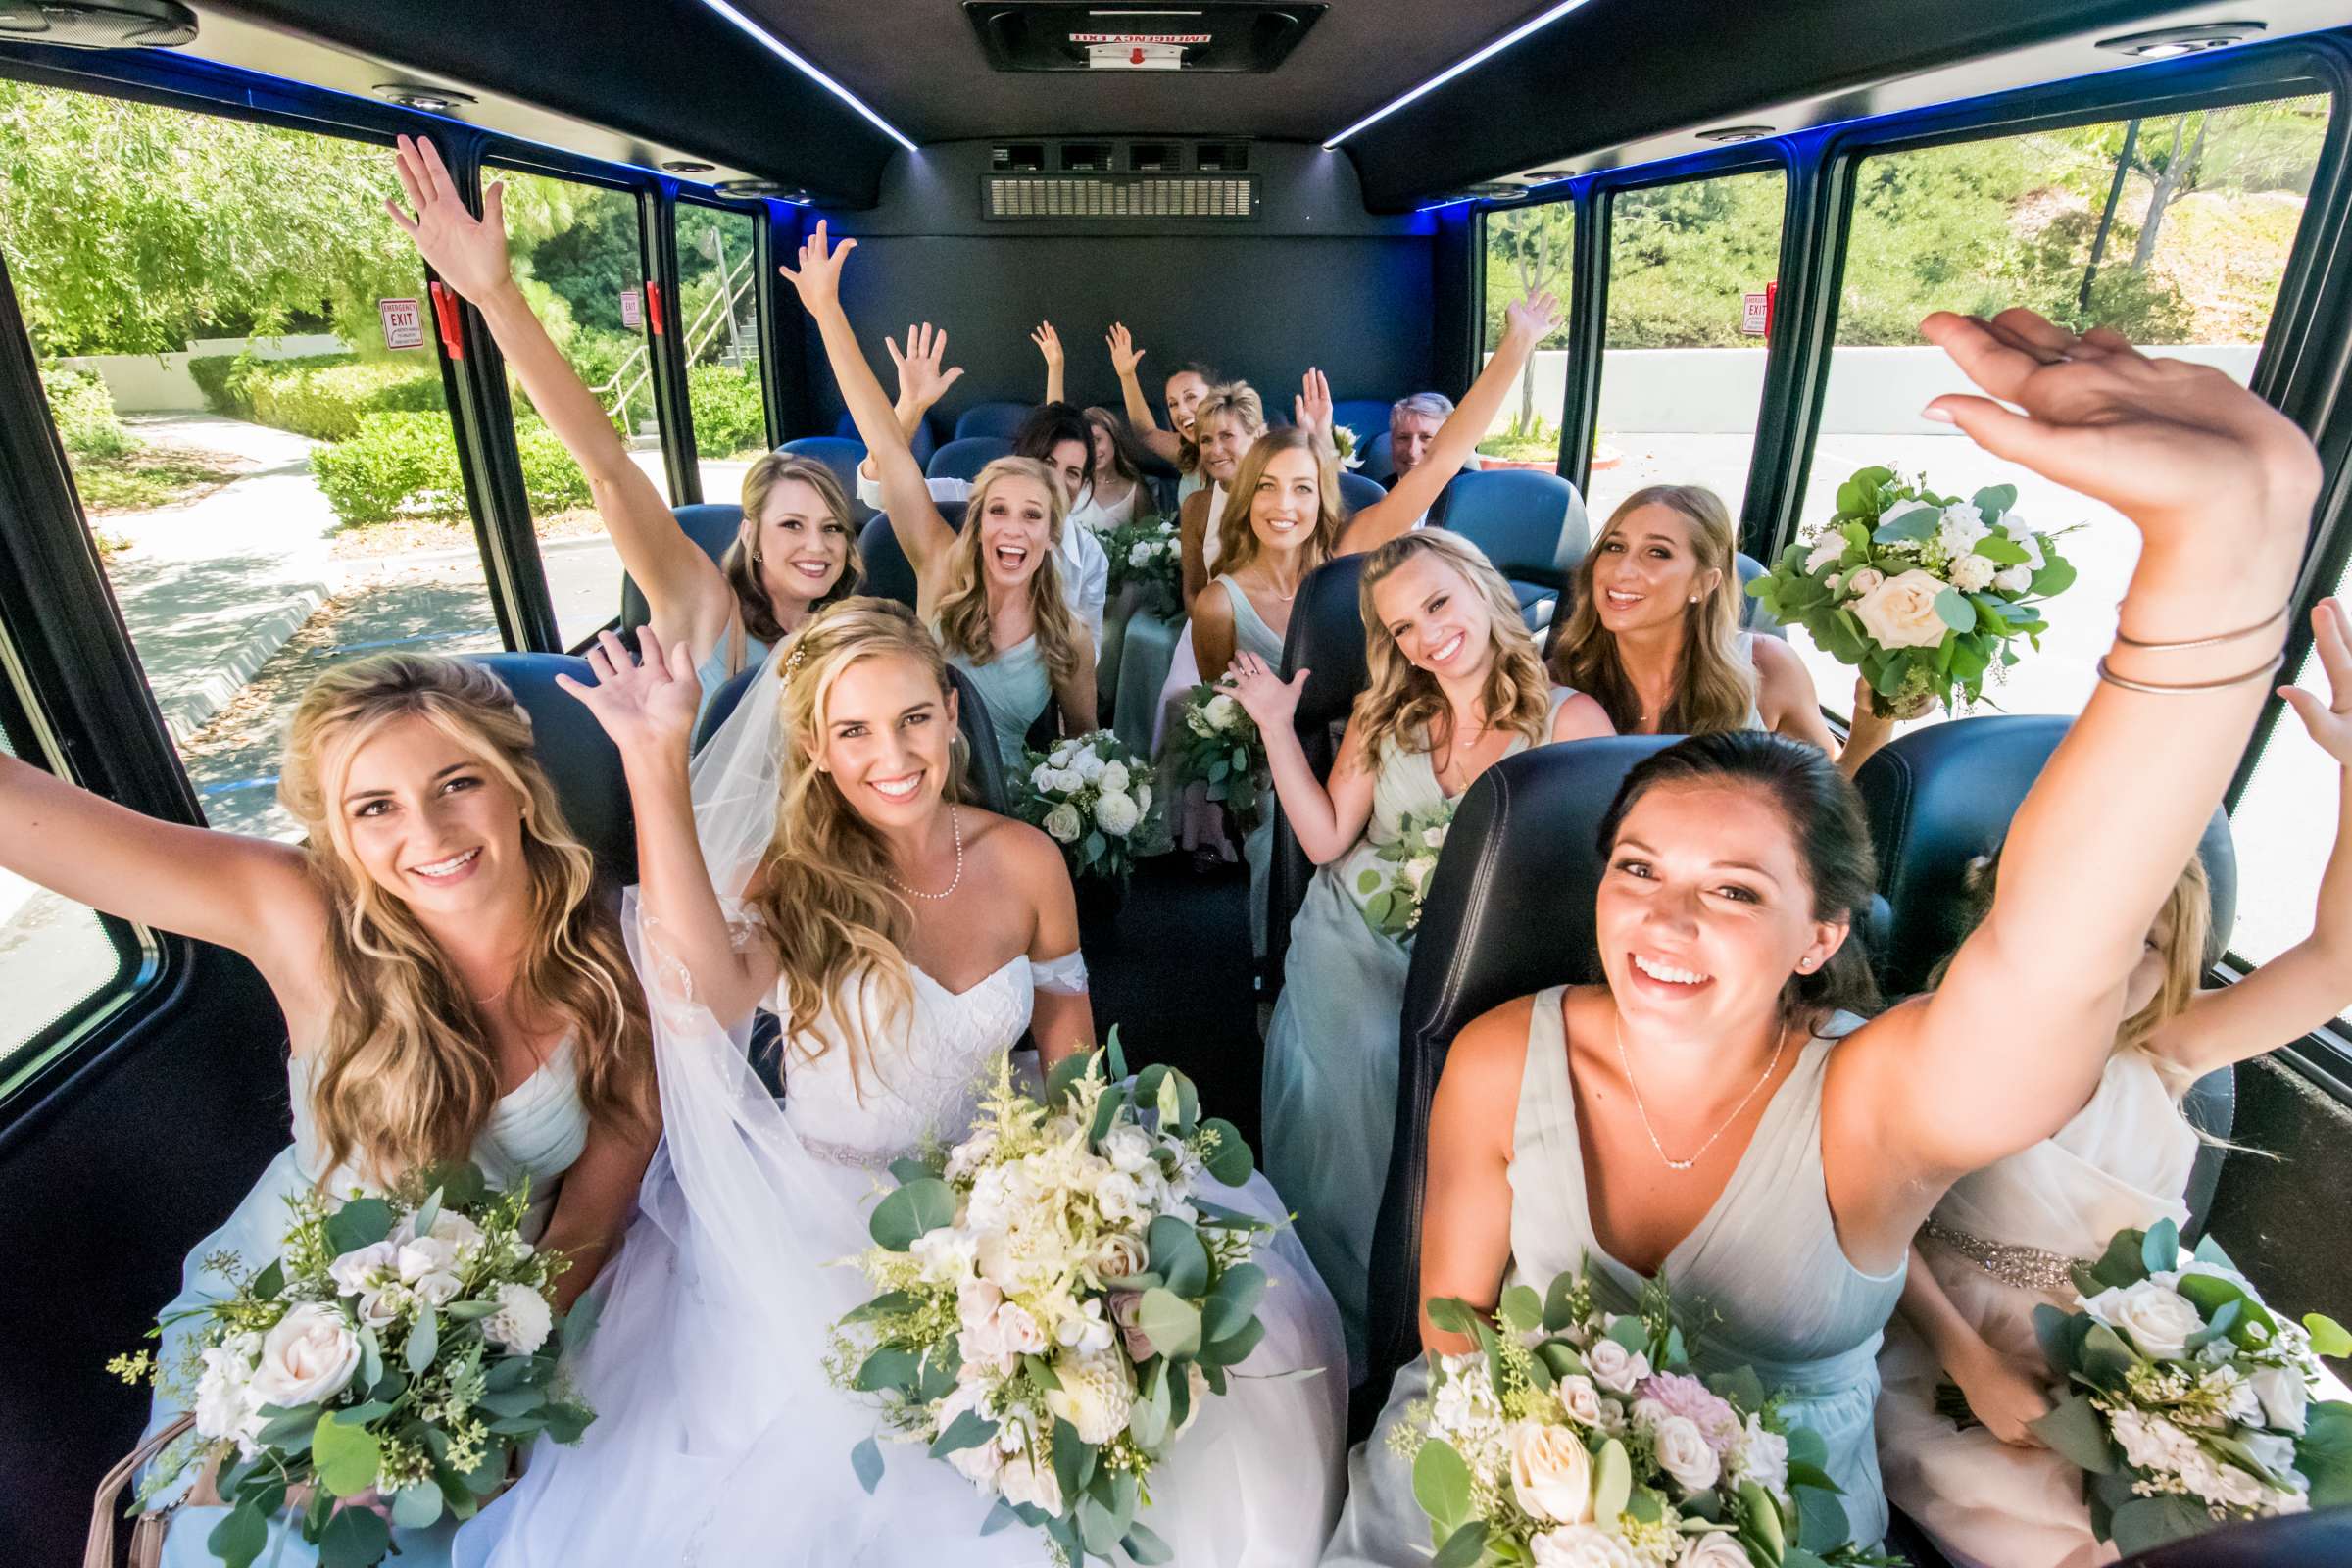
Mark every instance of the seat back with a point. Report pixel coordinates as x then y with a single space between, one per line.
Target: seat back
1532 526
2320 1539
842 457
579 759
1368 418
710 525
965 457
1001 421
1357 492
983 772
1326 638
1380 454
888 574
924 440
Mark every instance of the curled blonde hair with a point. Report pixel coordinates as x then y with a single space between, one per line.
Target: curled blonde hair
1714 686
1403 705
741 564
408 1075
1238 543
824 889
962 611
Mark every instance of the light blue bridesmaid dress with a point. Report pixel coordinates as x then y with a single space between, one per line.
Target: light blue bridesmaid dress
538 1130
1761 1281
1016 687
1251 635
1330 1077
720 667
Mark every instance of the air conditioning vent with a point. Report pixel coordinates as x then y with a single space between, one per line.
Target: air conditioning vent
1119 196
1018 158
1221 157
1154 157
1086 157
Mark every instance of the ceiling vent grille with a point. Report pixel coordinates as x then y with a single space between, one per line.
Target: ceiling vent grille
1086 157
1119 197
1154 157
1221 157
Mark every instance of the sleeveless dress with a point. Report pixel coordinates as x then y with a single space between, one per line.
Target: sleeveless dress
722 665
1016 687
720 1441
2122 1161
1182 672
1330 1079
537 1131
1761 1280
1251 635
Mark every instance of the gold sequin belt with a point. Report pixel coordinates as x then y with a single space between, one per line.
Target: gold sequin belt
2027 1267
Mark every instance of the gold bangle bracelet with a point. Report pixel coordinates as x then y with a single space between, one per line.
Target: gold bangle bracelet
2263 673
2264 625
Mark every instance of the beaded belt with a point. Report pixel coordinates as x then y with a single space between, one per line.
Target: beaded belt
2029 1267
851 1154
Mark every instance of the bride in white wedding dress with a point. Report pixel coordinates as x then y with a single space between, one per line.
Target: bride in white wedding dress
814 862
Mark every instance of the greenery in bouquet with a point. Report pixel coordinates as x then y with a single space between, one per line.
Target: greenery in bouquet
1145 552
1093 797
1219 747
1392 894
2185 1400
1924 593
1577 1437
1342 448
1056 1298
388 1362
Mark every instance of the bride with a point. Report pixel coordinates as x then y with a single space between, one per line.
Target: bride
906 941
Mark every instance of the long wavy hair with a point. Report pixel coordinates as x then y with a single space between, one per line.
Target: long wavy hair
408 1075
963 623
1127 457
1238 543
742 561
1403 705
1714 685
1187 449
824 889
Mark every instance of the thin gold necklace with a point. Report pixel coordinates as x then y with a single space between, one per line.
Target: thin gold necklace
1617 1028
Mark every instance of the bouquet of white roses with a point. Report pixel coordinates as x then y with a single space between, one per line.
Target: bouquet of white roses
1219 747
1392 899
1342 446
398 1349
1574 1437
2186 1401
1145 552
1092 796
1924 593
1056 1299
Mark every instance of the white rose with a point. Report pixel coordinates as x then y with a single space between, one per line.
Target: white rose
1069 780
1900 613
1973 573
1714 1550
1017 1331
1028 1477
946 1255
982 1462
1116 814
1127 1147
1614 1367
308 1357
1762 1458
1551 1473
1119 1256
1197 721
1416 873
421 1256
1582 1547
2014 580
1224 713
1141 553
1120 1197
362 1269
462 1235
2274 1453
224 1404
1861 580
1064 823
1683 1453
1143 799
437 1290
1962 525
1114 778
967 1158
2284 1399
1579 1400
522 1320
1063 752
2157 1319
1096 1395
1825 554
1041 777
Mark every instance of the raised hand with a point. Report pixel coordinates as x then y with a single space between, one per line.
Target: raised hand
1049 344
469 253
1312 408
921 380
647 705
819 279
1124 354
2330 722
1533 319
1269 699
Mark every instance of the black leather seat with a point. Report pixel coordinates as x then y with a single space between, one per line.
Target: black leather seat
924 440
1000 420
1326 638
710 525
964 458
1357 492
984 782
580 759
1532 526
888 574
2320 1539
841 455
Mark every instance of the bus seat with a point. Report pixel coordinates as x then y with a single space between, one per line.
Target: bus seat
1357 492
1753 617
1326 638
1000 421
1939 797
842 457
1368 418
1509 912
582 760
888 574
984 772
2289 1540
712 524
1380 457
1532 526
924 440
964 456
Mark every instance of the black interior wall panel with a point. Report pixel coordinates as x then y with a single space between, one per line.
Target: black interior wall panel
110 1181
2281 1212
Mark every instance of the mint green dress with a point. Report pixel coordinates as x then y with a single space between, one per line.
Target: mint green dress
1761 1281
1016 687
1251 635
721 666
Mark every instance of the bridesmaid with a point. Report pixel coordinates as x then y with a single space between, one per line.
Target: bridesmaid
1187 384
1688 1119
452 980
2002 1241
1456 685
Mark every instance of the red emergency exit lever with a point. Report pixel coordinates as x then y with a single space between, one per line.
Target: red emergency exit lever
653 306
445 314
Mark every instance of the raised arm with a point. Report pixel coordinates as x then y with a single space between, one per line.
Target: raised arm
1328 821
690 599
2010 1047
1124 358
1525 324
1049 344
913 517
1785 696
922 382
1213 640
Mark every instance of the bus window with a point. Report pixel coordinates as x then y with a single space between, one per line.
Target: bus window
1530 250
2174 230
245 379
1682 375
719 301
580 257
54 953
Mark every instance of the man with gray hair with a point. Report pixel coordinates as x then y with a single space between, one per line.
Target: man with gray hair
1412 425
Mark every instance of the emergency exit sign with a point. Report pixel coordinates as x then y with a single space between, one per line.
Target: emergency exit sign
404 323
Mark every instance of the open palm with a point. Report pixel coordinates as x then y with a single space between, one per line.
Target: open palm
647 705
818 280
2329 722
922 381
468 251
1269 699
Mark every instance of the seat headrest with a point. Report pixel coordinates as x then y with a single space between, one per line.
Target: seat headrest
2289 1540
712 524
999 420
1508 913
1939 798
842 457
1380 454
1326 638
579 759
965 457
924 440
1357 492
1532 526
888 574
1366 417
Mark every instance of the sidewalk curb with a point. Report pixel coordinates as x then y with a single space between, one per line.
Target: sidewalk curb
235 667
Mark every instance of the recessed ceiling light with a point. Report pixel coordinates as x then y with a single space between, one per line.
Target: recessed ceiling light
783 51
432 100
1534 24
687 166
2165 42
1730 133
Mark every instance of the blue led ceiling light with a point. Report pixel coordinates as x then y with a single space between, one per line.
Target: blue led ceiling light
777 47
1531 25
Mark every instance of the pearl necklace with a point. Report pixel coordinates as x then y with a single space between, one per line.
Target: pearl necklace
955 822
1617 1028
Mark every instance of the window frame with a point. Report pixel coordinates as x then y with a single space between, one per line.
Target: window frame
762 330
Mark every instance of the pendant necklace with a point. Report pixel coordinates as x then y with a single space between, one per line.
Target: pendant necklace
1617 1028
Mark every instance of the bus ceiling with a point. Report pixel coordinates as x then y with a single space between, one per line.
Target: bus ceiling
1431 100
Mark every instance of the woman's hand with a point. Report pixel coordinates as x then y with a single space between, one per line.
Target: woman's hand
469 253
2004 1399
2329 723
1270 701
1312 408
648 704
1533 319
818 281
1124 354
1049 344
921 379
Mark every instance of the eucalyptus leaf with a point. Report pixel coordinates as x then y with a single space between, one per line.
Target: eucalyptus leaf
424 1343
1238 1292
1232 1161
913 1211
1442 1486
866 1460
238 1538
2074 1431
967 1431
1171 1323
1143 1547
888 1367
417 1507
1521 1309
345 1458
361 1222
1464 1547
354 1538
1177 1255
907 1170
1612 1480
2146 1523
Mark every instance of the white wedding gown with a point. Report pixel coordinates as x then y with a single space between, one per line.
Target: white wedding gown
719 1440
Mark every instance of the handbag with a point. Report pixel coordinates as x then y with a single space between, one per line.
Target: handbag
147 1532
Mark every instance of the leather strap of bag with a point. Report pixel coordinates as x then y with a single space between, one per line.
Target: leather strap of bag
147 1536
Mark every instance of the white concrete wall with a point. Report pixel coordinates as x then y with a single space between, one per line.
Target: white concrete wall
159 384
